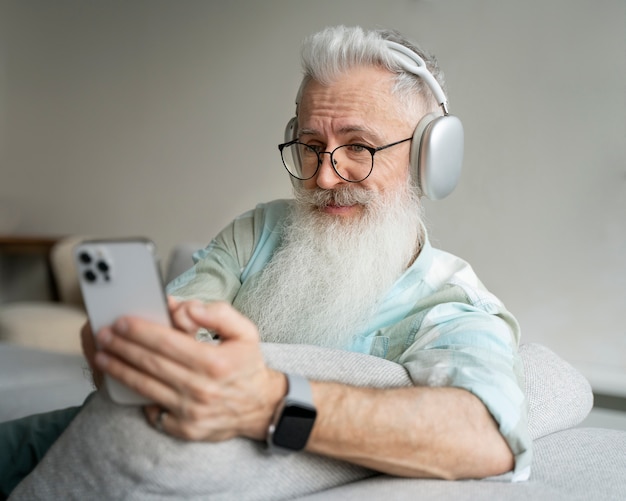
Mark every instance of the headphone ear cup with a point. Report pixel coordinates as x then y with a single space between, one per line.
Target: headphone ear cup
291 129
416 145
437 155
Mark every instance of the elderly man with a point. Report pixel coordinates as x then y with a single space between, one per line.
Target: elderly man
346 264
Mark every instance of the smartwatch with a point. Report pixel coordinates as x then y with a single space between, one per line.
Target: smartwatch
294 418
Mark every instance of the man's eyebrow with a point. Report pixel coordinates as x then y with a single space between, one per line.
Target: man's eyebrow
307 132
350 129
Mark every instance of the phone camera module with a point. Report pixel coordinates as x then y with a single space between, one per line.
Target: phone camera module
96 266
104 269
84 257
90 276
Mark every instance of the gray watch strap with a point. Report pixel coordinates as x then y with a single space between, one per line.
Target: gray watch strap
299 396
299 389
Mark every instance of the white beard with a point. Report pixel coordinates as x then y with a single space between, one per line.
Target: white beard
329 275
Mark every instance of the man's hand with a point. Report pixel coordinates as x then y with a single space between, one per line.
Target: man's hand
179 311
210 391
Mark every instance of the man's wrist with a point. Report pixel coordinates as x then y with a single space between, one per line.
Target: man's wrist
294 418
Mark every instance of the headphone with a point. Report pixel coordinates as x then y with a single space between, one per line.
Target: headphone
436 155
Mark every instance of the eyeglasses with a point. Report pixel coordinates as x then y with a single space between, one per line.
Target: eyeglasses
352 162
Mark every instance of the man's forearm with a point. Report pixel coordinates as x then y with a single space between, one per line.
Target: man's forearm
413 432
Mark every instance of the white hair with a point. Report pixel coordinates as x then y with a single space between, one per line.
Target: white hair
328 54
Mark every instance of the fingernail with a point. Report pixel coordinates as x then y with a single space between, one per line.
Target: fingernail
198 310
104 336
121 326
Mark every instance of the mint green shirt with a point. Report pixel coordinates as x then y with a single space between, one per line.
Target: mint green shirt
438 320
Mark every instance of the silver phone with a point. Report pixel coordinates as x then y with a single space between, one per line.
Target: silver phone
118 278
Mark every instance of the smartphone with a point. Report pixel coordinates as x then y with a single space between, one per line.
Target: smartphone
121 278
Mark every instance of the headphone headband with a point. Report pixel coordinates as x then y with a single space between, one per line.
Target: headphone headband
413 63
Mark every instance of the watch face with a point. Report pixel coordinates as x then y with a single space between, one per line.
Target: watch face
294 427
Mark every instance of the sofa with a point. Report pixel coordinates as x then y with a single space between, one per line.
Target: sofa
109 452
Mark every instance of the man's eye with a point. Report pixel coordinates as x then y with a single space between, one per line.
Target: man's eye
357 148
316 147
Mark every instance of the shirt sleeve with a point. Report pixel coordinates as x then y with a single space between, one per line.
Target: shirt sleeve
467 339
240 250
216 274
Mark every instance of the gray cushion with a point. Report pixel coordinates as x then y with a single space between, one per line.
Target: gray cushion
109 450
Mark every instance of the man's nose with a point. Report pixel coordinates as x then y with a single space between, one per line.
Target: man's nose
326 176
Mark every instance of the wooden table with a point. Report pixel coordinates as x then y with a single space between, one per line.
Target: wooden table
24 244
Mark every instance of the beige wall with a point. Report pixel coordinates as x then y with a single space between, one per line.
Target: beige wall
161 118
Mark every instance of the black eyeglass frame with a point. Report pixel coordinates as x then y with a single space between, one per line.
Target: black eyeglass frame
319 154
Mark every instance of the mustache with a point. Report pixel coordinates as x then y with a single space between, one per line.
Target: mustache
341 197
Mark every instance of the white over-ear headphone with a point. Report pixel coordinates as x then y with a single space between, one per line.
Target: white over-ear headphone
437 148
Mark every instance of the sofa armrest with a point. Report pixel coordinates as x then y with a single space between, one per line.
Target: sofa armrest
559 397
